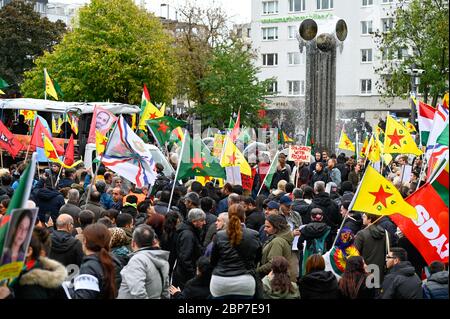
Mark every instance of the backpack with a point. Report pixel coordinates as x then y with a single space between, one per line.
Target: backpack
314 246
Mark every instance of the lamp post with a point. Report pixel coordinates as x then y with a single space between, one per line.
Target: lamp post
415 81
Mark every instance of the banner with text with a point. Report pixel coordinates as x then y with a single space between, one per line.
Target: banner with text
299 153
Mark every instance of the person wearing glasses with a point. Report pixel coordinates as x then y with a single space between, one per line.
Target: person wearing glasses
401 282
65 248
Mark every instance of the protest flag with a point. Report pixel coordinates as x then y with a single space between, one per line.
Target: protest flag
398 140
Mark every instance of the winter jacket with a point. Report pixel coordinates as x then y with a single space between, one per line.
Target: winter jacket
331 214
319 176
66 249
89 284
371 244
303 176
335 176
279 244
6 190
402 283
354 222
72 210
222 207
354 178
302 207
122 254
106 201
96 208
42 281
293 219
189 249
196 288
65 182
49 202
254 220
386 223
318 285
169 243
271 294
229 261
210 219
161 208
313 230
210 233
343 170
436 287
283 174
146 276
127 208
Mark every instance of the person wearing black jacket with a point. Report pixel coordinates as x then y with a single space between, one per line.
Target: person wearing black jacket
188 247
236 252
65 248
168 240
97 278
319 174
48 200
197 287
318 283
402 281
254 219
332 216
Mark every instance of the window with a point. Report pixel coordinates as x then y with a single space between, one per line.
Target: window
292 32
366 86
297 5
272 88
366 3
302 87
324 4
402 53
270 59
366 27
387 24
270 7
387 1
294 58
270 33
39 7
294 87
386 54
366 55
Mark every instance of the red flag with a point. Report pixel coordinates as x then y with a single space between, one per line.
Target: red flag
235 132
429 233
70 152
8 141
36 137
146 95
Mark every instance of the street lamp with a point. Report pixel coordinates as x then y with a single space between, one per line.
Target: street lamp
415 81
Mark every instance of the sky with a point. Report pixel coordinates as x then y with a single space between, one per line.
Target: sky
239 11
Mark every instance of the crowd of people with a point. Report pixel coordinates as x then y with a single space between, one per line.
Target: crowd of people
216 242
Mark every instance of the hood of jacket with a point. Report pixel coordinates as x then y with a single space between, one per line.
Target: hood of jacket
157 256
287 235
314 230
319 281
404 268
47 194
62 241
376 231
440 277
276 294
50 274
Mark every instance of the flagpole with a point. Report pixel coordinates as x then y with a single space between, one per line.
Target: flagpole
1 154
306 136
265 177
357 145
45 84
178 169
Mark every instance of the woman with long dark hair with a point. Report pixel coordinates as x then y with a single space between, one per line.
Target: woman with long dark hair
96 279
236 251
278 284
16 242
352 284
168 240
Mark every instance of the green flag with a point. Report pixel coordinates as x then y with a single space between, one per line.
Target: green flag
272 171
197 160
3 84
58 88
20 197
443 138
162 128
231 124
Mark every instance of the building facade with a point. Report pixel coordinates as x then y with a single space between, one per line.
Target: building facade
274 31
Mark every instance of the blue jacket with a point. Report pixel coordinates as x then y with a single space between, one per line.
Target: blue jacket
436 287
49 202
223 206
106 201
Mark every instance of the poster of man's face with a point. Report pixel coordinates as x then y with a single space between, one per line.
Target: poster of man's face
18 235
102 121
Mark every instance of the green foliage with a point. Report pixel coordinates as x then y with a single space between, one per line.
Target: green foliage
110 54
231 84
24 36
423 27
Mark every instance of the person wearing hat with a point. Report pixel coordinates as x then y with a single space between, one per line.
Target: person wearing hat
191 200
315 235
292 217
271 208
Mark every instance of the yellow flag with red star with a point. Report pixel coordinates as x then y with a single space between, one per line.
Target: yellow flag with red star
373 150
100 142
52 155
345 143
150 112
363 151
376 195
398 140
232 156
28 114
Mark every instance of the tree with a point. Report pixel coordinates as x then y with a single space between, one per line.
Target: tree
232 84
24 36
420 27
199 31
115 49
